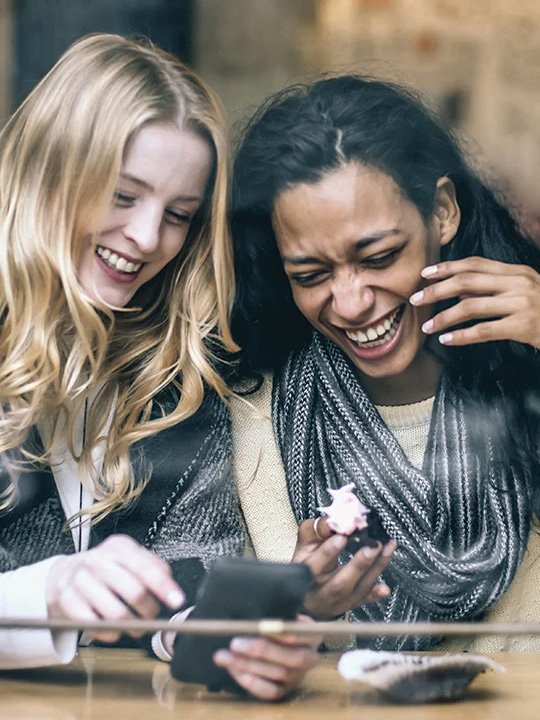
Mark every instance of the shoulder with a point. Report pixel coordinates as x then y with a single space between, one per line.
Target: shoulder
252 399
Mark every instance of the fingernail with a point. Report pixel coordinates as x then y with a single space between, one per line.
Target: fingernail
389 548
427 326
222 657
430 270
175 599
383 590
417 297
240 645
338 541
371 552
446 338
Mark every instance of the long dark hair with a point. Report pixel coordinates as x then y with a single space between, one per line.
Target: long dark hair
305 131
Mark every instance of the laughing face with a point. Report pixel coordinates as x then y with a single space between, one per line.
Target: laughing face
160 188
353 247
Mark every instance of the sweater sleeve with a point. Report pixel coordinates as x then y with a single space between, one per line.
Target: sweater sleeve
22 594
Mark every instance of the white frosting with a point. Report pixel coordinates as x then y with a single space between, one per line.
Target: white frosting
346 513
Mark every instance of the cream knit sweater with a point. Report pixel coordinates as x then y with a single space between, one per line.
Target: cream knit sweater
272 527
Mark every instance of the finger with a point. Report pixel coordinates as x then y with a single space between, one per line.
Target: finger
74 606
101 598
130 590
151 570
314 531
292 653
471 308
473 264
368 580
324 559
256 685
379 592
356 578
480 333
464 285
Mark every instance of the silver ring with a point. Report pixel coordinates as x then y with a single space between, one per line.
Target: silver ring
315 527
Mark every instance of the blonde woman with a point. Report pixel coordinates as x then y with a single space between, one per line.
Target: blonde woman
115 289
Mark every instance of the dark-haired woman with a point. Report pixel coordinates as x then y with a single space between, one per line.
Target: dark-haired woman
398 303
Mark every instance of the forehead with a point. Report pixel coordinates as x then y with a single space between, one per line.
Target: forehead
166 155
350 202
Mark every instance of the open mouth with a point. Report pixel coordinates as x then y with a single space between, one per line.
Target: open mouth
117 262
380 333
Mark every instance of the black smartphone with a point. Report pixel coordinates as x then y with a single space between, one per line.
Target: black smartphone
237 589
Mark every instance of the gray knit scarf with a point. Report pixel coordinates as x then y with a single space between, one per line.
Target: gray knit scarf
461 523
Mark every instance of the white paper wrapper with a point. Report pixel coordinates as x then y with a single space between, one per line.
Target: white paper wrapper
410 678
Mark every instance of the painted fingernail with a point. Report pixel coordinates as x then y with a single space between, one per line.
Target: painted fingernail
222 657
175 599
240 645
430 270
427 326
417 297
446 338
338 541
371 552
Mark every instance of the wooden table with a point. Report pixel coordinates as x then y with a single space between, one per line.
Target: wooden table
103 684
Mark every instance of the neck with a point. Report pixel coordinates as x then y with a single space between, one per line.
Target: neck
418 382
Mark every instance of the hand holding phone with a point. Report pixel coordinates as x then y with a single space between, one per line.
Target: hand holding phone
237 589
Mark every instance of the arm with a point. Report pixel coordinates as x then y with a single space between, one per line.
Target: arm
23 594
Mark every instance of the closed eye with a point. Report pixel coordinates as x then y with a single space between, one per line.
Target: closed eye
382 260
174 217
308 279
122 199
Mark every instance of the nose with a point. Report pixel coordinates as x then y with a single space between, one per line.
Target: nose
351 299
143 227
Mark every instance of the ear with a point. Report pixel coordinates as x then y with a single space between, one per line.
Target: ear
446 215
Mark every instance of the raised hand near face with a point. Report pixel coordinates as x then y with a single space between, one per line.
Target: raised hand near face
338 588
501 300
117 580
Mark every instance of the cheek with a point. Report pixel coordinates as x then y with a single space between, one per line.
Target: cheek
173 243
306 301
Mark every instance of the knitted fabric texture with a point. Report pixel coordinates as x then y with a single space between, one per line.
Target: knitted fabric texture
460 524
189 508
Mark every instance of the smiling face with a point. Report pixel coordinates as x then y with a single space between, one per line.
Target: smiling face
353 247
160 188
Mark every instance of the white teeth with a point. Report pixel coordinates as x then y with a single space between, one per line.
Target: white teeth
371 333
378 334
117 262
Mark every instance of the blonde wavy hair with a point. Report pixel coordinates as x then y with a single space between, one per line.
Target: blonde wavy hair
60 156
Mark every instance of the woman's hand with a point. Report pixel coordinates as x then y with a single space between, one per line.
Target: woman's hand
268 668
117 580
502 300
338 588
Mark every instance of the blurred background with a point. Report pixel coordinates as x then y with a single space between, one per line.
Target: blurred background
478 61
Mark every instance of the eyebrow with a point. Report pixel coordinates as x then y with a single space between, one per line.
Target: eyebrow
147 186
359 245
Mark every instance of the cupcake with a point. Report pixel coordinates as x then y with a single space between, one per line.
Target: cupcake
346 515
